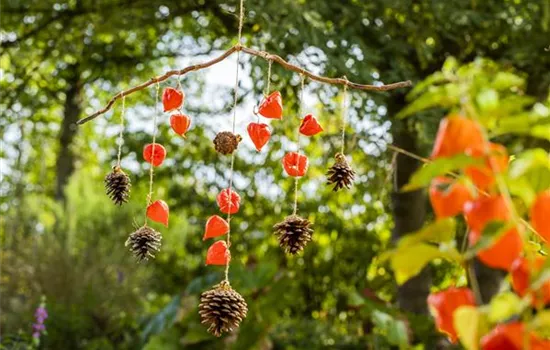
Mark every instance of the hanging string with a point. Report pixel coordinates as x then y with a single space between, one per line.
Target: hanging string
120 139
268 85
151 171
344 115
300 103
234 122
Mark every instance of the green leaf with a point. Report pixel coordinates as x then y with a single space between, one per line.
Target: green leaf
532 168
441 166
542 276
504 306
408 261
487 100
491 233
541 323
507 80
439 231
466 321
447 95
395 330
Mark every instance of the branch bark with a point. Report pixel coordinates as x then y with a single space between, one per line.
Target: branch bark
262 54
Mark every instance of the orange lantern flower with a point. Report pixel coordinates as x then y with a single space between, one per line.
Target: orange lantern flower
444 304
172 99
496 161
215 226
154 153
511 336
272 106
218 254
448 197
310 126
228 204
540 215
295 164
455 135
158 211
180 123
502 253
259 133
484 209
521 271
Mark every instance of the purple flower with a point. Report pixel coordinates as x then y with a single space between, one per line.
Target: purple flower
40 315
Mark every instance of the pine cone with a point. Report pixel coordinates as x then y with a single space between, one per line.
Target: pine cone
340 174
144 243
117 185
226 142
222 309
293 233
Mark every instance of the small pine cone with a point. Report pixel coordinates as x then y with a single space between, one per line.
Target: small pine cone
226 142
293 233
117 185
222 309
340 174
144 243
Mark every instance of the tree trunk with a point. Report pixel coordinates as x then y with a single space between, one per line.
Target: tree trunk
71 111
409 210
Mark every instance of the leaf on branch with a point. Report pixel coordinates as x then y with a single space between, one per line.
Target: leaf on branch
439 231
468 321
408 261
395 330
447 95
441 166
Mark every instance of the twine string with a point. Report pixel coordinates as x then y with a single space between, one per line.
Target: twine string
234 122
300 103
120 139
344 114
151 168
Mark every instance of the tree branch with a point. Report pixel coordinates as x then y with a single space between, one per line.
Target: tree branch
262 54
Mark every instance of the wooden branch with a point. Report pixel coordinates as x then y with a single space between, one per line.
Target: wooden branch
263 54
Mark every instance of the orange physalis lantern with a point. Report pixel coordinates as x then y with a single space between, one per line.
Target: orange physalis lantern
172 99
218 254
154 153
443 305
455 135
158 211
295 164
272 106
448 196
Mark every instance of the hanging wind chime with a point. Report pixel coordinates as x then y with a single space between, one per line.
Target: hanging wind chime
221 308
341 174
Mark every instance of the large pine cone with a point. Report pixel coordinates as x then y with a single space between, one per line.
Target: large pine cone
293 233
117 185
226 142
222 309
340 174
144 243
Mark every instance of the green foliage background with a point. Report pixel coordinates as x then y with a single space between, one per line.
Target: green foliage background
68 246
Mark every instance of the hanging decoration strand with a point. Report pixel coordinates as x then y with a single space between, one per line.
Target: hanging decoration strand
234 121
253 52
151 169
268 84
121 132
302 78
344 116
